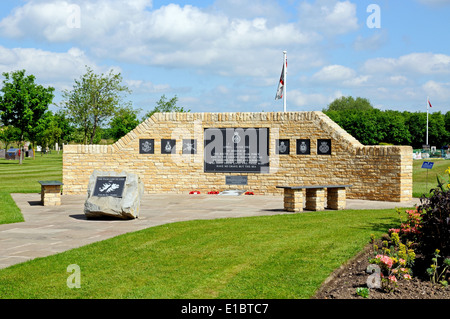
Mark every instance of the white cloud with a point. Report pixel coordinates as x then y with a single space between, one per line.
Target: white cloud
341 75
413 63
371 43
45 64
330 17
141 86
171 35
332 73
437 90
313 101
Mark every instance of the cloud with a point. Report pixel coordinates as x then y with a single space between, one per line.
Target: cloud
329 17
45 65
312 101
413 63
437 90
341 75
169 36
372 43
141 86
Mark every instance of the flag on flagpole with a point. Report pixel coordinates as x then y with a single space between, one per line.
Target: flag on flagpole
281 84
429 103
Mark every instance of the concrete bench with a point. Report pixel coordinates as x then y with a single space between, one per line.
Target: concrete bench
50 193
315 197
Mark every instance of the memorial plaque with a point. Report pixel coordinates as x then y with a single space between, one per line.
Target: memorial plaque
146 146
236 180
324 147
168 146
189 146
109 186
282 147
236 150
303 147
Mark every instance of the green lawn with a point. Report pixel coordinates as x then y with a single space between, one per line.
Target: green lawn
15 178
420 184
282 256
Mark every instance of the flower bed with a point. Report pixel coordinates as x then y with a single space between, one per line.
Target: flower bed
411 261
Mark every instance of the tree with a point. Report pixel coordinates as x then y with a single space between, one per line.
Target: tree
123 122
23 102
349 103
417 126
93 100
394 128
447 123
9 134
364 126
64 124
48 131
165 106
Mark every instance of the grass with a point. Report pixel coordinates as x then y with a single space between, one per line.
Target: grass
15 178
423 183
282 256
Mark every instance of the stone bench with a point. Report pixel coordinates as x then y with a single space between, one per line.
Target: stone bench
315 197
50 193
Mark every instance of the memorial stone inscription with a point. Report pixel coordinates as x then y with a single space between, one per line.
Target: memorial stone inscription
236 150
109 186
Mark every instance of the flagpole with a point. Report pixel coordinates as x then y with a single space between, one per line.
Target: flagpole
284 80
428 99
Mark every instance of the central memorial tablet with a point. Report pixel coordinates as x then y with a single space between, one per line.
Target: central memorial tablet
244 150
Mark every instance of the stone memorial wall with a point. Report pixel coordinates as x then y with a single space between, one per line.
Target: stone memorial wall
182 152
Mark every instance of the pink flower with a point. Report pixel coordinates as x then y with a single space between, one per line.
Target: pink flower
407 276
386 260
392 278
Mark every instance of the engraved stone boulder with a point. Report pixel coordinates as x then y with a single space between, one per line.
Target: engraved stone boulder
113 194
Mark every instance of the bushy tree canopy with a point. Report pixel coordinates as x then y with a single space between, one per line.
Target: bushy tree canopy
23 102
93 100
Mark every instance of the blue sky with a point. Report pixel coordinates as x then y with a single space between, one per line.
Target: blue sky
226 55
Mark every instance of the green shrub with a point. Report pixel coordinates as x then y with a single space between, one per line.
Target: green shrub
435 224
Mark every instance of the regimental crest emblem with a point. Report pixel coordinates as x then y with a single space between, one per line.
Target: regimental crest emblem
168 147
303 147
146 147
324 148
236 138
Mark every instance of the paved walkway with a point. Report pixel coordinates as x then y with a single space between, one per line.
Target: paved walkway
48 230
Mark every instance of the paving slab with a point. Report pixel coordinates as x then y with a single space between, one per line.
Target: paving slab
49 230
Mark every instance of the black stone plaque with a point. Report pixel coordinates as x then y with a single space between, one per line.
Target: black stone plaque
168 146
303 147
236 180
236 150
324 147
189 146
109 186
146 146
282 147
